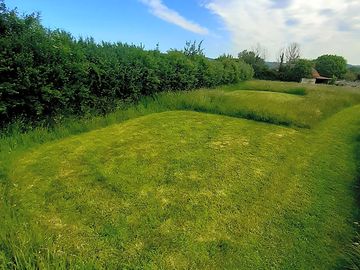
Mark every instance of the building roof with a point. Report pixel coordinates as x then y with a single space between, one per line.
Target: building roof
316 75
323 78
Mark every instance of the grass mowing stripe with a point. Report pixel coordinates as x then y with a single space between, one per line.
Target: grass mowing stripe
131 128
256 214
208 191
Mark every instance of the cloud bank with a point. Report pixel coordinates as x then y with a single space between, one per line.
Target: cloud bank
161 11
321 26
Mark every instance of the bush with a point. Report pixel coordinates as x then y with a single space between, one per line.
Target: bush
350 76
46 73
353 73
234 70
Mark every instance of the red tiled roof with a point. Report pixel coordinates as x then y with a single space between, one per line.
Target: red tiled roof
323 78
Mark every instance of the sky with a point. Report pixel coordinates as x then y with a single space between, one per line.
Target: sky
225 26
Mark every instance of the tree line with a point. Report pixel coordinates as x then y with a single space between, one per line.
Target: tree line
46 73
291 67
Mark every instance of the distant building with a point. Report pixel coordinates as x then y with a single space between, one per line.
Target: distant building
316 78
319 79
308 81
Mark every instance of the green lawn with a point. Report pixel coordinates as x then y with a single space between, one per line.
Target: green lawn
189 180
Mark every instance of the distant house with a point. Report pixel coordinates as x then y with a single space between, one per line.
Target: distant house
319 79
316 78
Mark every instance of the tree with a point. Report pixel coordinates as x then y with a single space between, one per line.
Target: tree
350 76
250 57
299 69
259 51
256 60
193 49
234 70
353 73
331 65
281 59
292 52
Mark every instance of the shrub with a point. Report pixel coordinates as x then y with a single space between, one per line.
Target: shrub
350 76
46 73
234 70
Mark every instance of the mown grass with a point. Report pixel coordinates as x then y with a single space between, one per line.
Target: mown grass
182 189
277 87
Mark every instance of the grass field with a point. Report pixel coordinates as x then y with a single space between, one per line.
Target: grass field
260 175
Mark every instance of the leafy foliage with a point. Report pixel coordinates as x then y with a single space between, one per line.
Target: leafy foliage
290 67
46 73
353 73
257 61
297 70
331 65
350 76
193 49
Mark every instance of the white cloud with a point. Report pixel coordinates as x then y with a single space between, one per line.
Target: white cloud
163 12
321 26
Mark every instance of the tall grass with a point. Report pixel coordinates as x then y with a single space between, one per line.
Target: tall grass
299 112
317 104
281 87
354 254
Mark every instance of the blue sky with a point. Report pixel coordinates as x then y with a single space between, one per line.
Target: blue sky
226 26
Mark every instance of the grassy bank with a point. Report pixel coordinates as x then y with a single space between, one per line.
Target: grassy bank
183 180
